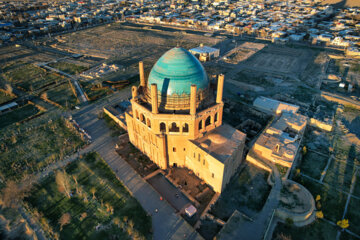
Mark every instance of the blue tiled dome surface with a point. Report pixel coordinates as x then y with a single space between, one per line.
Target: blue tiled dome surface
176 71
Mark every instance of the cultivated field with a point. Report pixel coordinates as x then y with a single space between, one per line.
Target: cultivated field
95 202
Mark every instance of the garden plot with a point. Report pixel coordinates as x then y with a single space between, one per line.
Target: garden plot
354 215
68 67
62 95
313 164
5 97
92 204
33 148
18 114
30 77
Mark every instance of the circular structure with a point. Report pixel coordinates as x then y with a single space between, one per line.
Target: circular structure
217 138
176 71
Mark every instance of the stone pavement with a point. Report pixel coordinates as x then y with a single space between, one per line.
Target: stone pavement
166 224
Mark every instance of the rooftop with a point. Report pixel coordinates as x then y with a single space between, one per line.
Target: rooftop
221 142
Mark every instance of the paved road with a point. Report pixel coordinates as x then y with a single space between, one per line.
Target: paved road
166 224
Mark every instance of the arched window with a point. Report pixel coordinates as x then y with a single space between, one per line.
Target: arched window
185 128
162 127
142 118
174 127
200 124
207 121
148 123
137 114
216 117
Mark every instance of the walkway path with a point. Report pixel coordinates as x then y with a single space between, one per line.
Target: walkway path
353 180
73 79
323 174
166 224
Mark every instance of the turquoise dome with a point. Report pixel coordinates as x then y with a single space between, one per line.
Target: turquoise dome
176 71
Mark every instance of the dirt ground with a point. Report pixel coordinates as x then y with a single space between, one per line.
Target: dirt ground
129 44
137 160
13 56
194 186
281 59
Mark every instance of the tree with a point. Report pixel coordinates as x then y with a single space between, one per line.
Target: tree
44 96
62 180
116 221
282 236
343 223
319 214
8 88
64 220
14 193
93 190
304 150
11 194
318 198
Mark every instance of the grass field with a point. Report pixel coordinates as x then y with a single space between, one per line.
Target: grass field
313 164
98 201
319 230
63 95
354 215
69 68
357 186
32 149
31 77
18 114
245 192
4 97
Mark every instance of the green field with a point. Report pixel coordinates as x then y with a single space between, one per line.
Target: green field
31 77
98 199
63 96
18 114
312 164
67 67
356 191
319 230
32 149
4 97
353 215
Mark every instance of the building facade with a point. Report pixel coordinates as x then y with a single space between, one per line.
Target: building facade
176 120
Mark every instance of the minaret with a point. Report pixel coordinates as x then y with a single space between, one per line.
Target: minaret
142 76
220 88
154 99
193 99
